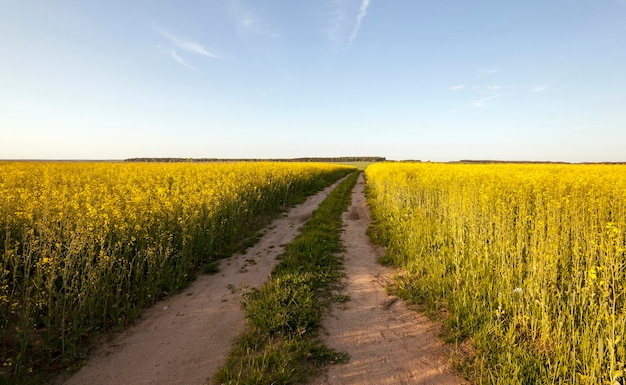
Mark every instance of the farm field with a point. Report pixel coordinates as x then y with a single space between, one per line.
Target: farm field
524 263
86 246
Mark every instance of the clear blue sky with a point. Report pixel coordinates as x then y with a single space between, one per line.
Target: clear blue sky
413 79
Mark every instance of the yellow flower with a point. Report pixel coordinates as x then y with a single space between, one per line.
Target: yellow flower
592 274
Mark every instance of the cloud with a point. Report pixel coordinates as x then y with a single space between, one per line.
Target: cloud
338 20
541 88
265 91
187 45
341 27
180 60
476 104
248 22
359 19
485 73
480 103
493 88
255 27
457 88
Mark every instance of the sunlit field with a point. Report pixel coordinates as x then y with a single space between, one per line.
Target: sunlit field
86 246
525 262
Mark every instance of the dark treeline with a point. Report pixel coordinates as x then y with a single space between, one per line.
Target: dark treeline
343 159
508 161
529 162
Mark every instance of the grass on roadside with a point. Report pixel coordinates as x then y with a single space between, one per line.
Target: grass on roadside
281 344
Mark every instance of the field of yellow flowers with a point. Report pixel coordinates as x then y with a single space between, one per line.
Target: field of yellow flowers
527 262
85 246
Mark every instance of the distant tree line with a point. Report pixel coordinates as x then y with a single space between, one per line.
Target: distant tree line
342 159
347 159
508 161
529 162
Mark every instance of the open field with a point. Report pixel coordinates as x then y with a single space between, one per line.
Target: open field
525 263
86 246
280 343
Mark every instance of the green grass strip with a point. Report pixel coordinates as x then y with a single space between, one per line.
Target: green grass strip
281 344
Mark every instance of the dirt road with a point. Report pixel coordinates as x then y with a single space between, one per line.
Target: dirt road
185 338
388 343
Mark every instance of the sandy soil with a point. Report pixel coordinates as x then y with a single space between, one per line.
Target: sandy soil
185 338
388 343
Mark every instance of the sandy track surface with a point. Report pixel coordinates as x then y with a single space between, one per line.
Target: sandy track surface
185 338
388 343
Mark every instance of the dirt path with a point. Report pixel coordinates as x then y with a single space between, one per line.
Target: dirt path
185 338
388 343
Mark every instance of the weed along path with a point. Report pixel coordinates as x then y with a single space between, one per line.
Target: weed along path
387 343
185 338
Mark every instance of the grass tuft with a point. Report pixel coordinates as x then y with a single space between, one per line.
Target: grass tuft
281 344
211 267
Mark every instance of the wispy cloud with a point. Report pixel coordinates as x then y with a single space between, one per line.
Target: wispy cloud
182 61
255 27
265 91
541 88
485 73
187 45
338 20
481 94
248 22
365 4
480 103
346 18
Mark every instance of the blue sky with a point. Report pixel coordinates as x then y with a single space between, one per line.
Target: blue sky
414 79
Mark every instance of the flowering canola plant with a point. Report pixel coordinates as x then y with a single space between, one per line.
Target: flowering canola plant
86 246
527 260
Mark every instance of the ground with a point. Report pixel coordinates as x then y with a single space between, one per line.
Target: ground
186 338
387 342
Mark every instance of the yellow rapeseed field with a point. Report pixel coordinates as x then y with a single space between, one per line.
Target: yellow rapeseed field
85 246
527 261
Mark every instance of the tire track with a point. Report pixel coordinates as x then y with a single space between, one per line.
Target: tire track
185 338
387 342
